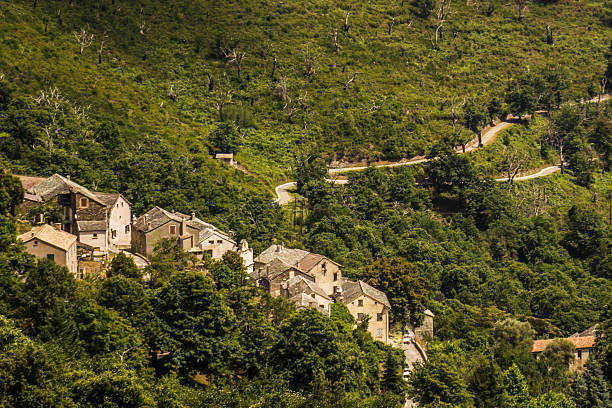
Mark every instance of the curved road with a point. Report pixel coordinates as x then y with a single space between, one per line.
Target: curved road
283 195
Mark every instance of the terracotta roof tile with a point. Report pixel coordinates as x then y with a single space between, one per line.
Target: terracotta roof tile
48 234
578 342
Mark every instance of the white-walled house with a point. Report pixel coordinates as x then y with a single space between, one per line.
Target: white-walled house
119 220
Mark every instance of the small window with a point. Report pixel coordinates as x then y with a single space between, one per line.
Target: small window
312 295
94 236
579 354
211 242
81 273
35 243
127 229
117 205
84 202
172 229
359 317
335 276
51 257
379 317
379 332
219 241
360 303
114 233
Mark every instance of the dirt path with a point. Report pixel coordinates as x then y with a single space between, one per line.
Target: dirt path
488 136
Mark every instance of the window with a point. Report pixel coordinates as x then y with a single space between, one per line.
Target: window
113 233
94 236
84 202
219 241
335 276
359 317
360 303
35 243
211 242
379 317
127 229
579 354
51 257
117 205
173 230
81 273
379 332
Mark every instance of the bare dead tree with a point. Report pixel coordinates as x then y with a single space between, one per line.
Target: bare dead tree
274 64
175 89
309 63
375 107
142 24
2 76
532 200
235 57
346 26
59 17
522 4
513 160
602 90
442 15
224 94
390 25
549 35
282 89
102 44
555 139
83 38
350 80
335 37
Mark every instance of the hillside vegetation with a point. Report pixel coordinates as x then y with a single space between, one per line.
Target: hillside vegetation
176 69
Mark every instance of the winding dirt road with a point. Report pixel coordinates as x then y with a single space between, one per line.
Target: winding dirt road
488 136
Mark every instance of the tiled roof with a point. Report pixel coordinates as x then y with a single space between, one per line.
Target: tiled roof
29 181
351 290
89 226
273 269
585 342
50 235
314 288
109 199
288 255
303 300
155 217
311 260
57 184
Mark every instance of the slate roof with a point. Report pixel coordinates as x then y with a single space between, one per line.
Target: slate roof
89 226
288 255
591 331
585 342
156 217
311 285
303 300
50 235
351 290
57 184
29 181
273 269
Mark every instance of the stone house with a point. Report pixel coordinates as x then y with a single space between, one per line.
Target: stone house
227 158
303 292
303 278
363 300
99 220
119 220
46 242
192 234
584 346
325 272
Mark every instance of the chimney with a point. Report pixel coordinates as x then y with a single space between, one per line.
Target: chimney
279 248
58 226
133 218
183 226
192 216
146 221
68 176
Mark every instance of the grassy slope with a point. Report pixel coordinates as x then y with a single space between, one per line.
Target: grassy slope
400 72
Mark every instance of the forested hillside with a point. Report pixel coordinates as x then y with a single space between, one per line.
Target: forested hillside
137 97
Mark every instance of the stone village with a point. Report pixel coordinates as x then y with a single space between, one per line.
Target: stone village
92 227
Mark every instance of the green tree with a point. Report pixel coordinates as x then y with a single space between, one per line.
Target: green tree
122 389
475 118
449 172
11 193
192 322
590 389
554 365
392 379
124 265
439 380
404 285
225 138
586 232
229 271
